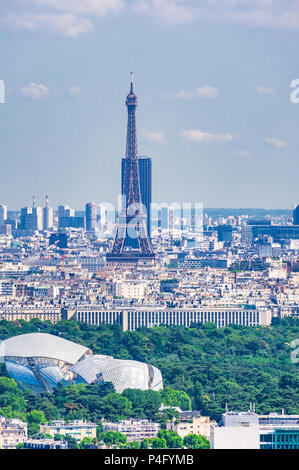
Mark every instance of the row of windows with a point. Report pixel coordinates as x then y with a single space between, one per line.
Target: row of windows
136 319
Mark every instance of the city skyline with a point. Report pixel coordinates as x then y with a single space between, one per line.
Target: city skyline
216 115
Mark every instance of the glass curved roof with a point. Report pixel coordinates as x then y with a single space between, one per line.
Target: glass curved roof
44 345
41 360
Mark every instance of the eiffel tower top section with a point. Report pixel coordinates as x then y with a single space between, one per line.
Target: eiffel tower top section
132 103
132 98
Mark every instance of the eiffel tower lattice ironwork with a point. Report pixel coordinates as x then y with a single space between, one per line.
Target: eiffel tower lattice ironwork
132 218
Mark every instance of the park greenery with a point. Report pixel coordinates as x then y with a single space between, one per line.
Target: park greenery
203 368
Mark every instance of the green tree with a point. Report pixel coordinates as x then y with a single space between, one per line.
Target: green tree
86 442
159 443
8 385
116 407
196 441
132 445
173 440
34 418
146 443
171 397
198 396
114 438
71 442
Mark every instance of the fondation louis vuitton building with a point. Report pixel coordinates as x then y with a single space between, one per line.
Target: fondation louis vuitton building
39 361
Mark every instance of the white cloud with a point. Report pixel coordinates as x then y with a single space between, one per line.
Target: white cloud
244 154
195 135
64 16
206 91
66 24
255 13
169 11
77 91
184 95
84 7
35 90
276 142
157 137
263 90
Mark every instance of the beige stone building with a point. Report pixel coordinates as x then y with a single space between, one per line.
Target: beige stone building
12 432
190 422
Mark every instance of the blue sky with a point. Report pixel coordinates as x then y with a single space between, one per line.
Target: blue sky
213 81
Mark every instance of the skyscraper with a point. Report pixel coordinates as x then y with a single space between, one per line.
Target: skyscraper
131 220
47 216
3 213
31 218
91 216
145 177
296 215
63 213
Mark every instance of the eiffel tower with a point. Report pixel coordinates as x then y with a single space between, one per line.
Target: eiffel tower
132 219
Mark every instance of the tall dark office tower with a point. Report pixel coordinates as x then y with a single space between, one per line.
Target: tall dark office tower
145 177
91 216
131 220
296 215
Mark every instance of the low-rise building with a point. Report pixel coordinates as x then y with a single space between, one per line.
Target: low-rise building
12 432
78 429
190 422
248 430
133 318
135 430
235 437
44 444
26 312
129 290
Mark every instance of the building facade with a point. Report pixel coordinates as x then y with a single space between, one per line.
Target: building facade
190 422
3 213
47 216
296 215
91 216
11 312
131 319
12 432
135 430
248 430
78 429
45 444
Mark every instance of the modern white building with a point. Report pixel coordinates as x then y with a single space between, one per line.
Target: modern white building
248 430
135 430
3 213
45 444
78 429
235 437
47 216
39 361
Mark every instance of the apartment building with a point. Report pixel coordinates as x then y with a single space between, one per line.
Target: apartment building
135 430
12 432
